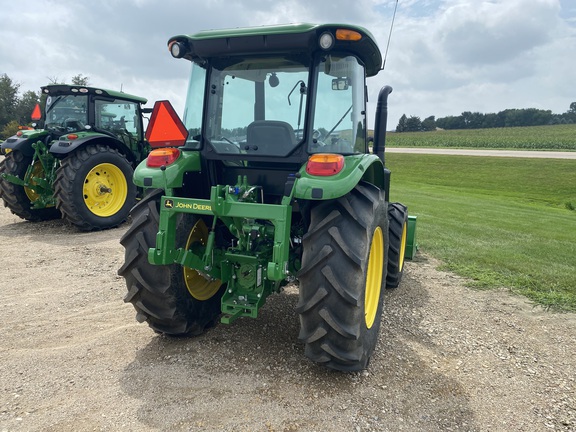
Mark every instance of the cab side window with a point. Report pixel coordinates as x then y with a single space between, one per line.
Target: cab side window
117 116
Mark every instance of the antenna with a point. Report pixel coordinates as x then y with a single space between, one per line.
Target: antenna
390 34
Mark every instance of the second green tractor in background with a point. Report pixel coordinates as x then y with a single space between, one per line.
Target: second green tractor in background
79 161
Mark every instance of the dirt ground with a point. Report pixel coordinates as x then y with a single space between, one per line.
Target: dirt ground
73 357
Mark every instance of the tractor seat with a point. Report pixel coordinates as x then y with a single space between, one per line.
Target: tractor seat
269 137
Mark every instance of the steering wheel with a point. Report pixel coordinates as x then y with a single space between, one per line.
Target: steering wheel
226 147
73 123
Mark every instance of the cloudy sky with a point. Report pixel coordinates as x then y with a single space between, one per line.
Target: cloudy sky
445 56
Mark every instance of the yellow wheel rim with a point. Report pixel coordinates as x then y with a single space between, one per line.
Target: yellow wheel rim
198 286
403 247
374 277
105 190
37 172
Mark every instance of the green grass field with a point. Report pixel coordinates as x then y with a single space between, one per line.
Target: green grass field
503 222
557 137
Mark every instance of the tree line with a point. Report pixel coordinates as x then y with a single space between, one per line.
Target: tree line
477 120
15 109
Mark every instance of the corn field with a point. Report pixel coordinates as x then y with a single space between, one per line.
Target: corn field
556 137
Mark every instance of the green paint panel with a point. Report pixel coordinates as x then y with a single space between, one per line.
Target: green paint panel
411 244
355 169
171 177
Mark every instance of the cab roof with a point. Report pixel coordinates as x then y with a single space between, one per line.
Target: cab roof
279 39
66 89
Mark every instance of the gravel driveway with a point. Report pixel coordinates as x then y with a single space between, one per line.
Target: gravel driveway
73 357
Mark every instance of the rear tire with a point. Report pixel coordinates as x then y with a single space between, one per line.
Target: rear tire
94 188
19 199
342 278
162 295
398 219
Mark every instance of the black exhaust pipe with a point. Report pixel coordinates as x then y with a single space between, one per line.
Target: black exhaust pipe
380 122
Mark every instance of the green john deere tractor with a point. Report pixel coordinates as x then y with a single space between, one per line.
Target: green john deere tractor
267 181
79 165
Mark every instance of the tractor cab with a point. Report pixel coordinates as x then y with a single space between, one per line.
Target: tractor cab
264 108
263 105
79 108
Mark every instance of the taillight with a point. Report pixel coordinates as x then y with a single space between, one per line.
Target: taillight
325 164
72 137
162 157
19 133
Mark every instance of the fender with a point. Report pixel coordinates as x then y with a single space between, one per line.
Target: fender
64 146
24 142
367 167
170 177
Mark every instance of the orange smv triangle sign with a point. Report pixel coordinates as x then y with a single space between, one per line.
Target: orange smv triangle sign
165 128
36 113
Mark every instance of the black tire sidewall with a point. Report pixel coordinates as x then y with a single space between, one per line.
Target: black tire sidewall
371 334
203 312
108 156
159 292
14 196
333 278
398 218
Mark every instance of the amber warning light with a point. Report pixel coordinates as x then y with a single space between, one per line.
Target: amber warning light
165 128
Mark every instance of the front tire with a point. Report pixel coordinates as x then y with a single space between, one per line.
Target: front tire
342 278
19 199
94 188
172 299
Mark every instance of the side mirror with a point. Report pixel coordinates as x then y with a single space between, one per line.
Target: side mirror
340 84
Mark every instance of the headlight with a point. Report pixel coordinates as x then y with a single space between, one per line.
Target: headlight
326 41
177 49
